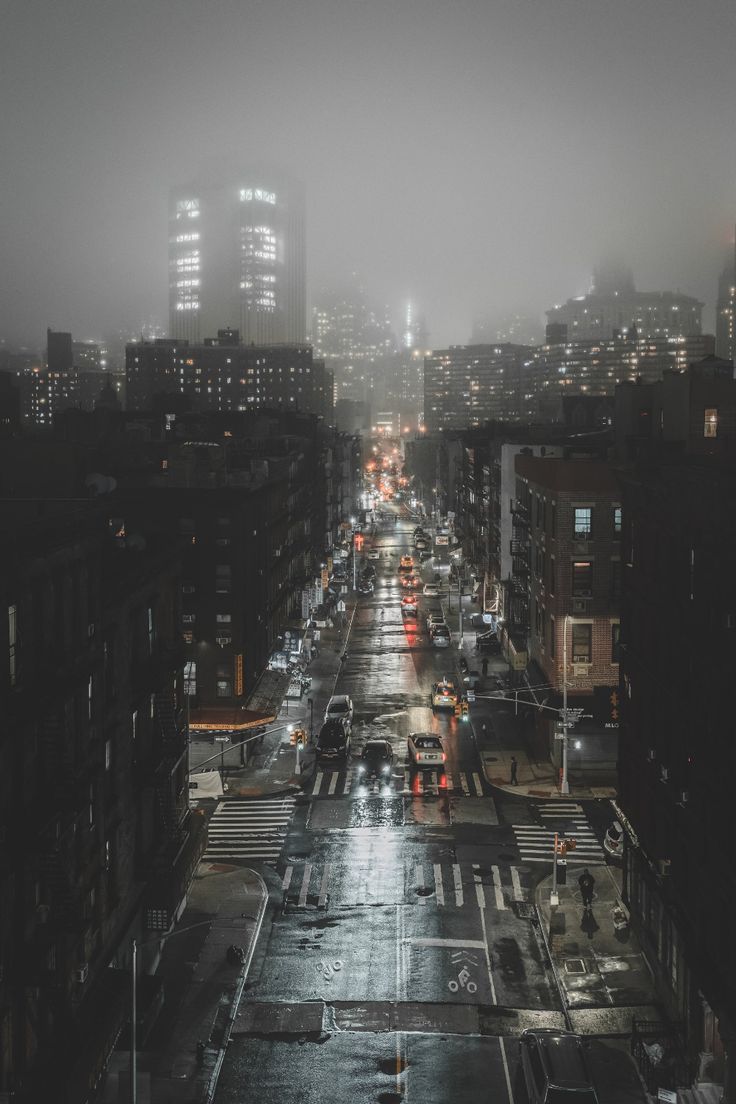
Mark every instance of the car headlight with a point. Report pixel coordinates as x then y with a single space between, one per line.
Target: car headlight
361 768
386 768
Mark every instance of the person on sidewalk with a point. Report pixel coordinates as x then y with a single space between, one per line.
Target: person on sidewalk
514 770
586 881
484 666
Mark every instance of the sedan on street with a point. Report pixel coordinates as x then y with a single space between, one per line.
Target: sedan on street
431 590
425 750
376 759
333 742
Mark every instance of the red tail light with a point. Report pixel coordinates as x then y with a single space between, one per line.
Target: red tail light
444 757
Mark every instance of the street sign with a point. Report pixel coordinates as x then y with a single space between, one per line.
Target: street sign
442 540
341 607
222 739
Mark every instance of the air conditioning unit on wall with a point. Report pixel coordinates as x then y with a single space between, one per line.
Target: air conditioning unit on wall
579 670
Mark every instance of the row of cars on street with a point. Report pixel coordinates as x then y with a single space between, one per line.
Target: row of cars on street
424 749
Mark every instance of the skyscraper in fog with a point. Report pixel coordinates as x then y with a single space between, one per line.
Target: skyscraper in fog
726 310
237 259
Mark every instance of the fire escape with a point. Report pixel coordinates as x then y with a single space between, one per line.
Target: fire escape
518 584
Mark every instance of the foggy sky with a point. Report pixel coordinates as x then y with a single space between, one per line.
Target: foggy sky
474 155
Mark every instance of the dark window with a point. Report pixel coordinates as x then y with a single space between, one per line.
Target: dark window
615 580
551 574
615 643
552 642
224 681
537 1069
582 643
582 578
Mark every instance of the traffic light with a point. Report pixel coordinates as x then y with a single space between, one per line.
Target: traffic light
298 736
464 710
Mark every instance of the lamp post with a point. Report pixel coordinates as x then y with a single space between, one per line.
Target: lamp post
565 784
310 703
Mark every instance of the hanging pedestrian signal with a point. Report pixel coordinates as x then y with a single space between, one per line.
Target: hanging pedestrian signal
359 538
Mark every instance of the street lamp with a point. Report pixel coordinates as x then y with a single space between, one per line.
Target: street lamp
565 784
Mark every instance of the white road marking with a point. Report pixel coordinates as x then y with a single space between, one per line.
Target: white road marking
305 885
509 1090
488 955
333 783
323 886
348 782
317 783
439 889
478 786
480 895
464 784
458 878
287 877
516 883
497 889
472 944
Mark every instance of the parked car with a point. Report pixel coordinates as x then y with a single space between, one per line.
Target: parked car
472 680
431 590
376 759
444 693
555 1067
374 554
420 544
333 742
425 554
613 841
433 620
409 604
340 708
365 588
369 571
440 636
425 750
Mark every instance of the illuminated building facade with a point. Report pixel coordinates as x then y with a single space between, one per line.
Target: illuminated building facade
726 312
614 306
225 375
467 385
237 259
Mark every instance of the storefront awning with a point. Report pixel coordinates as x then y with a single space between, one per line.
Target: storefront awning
228 719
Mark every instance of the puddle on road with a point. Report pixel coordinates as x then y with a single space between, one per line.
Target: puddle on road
392 1066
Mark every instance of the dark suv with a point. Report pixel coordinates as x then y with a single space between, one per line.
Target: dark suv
333 742
555 1067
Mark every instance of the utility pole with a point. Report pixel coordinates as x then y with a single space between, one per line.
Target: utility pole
133 1025
565 785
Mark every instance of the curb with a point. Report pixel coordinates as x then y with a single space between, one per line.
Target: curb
235 1003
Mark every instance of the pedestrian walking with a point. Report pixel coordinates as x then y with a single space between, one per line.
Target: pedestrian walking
514 769
484 665
586 881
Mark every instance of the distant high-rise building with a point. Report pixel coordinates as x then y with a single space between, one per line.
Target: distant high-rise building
517 327
467 385
726 310
224 375
356 340
614 306
237 259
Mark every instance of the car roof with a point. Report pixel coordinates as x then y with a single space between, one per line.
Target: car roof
376 745
339 699
564 1058
427 739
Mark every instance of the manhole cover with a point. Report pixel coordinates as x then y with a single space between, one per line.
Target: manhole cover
574 966
525 910
424 891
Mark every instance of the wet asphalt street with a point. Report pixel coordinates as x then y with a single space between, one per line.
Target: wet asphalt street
401 960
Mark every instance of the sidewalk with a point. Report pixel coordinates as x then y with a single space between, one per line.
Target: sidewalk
499 730
202 990
602 973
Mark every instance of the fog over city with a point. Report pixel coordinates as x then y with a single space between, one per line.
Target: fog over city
476 156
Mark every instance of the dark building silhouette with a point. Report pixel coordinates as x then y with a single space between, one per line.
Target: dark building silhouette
98 846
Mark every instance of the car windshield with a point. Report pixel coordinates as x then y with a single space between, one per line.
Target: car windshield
375 751
332 737
338 707
427 742
571 1096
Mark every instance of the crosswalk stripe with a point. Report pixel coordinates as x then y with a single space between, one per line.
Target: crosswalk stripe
516 883
458 879
497 889
439 889
478 787
306 878
464 784
333 784
419 872
323 886
317 783
249 829
348 781
287 877
479 894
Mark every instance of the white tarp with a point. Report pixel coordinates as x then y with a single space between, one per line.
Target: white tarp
205 784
